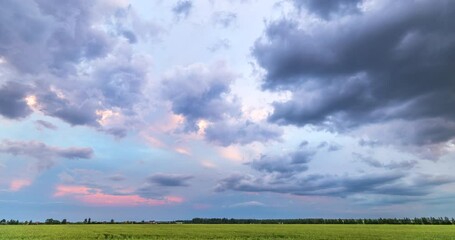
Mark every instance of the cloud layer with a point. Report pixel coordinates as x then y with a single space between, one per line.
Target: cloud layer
39 150
66 39
397 67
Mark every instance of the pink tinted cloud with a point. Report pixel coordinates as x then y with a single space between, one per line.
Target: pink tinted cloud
232 153
63 190
174 199
18 184
183 151
94 196
118 200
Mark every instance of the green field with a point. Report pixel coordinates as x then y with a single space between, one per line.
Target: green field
253 231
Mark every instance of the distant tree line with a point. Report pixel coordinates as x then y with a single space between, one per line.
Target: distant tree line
422 220
416 221
64 221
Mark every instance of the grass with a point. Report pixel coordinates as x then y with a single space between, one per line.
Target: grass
254 231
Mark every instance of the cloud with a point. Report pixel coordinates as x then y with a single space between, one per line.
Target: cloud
225 133
18 184
289 173
41 151
304 143
74 60
368 143
156 185
169 180
40 124
37 157
74 112
404 165
96 197
23 36
119 132
199 92
96 187
224 19
331 147
248 204
202 94
47 29
13 104
113 85
182 8
329 9
396 185
285 165
340 82
121 80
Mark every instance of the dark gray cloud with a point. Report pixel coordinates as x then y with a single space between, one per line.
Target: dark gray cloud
396 185
80 56
289 174
334 147
331 147
24 29
73 39
395 65
226 133
224 19
129 35
40 124
41 151
426 131
182 8
115 83
403 165
201 92
157 184
304 143
285 165
121 80
12 100
75 153
50 35
329 8
118 132
72 112
368 143
169 180
44 156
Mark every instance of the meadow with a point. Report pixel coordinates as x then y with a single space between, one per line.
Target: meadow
228 231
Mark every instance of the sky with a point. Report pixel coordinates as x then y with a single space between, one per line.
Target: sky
162 110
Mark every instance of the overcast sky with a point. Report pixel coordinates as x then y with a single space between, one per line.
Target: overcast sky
163 110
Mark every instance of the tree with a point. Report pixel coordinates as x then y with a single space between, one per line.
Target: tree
64 221
51 221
